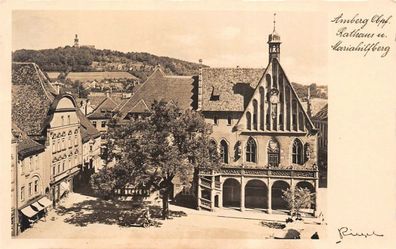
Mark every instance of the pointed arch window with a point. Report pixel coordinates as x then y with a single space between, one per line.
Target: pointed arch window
261 108
297 152
273 153
224 151
255 114
248 121
251 151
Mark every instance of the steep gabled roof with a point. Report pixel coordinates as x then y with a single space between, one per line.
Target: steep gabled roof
32 95
159 86
322 114
233 86
26 146
88 131
275 78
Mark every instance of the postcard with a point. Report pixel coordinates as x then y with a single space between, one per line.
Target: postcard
198 124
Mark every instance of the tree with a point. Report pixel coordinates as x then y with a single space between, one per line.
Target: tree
149 152
298 199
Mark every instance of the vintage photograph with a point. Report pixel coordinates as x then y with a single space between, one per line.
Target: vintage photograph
159 124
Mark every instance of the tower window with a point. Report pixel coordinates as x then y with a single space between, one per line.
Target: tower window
215 120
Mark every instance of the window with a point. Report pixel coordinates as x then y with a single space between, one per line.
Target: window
255 114
31 164
22 193
62 121
70 141
224 151
63 144
53 145
229 120
58 168
63 166
53 170
75 140
103 125
273 153
261 108
68 119
94 123
36 186
248 121
30 188
215 120
297 153
251 151
90 148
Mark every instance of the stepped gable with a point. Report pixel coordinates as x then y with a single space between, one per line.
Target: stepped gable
32 95
179 89
232 86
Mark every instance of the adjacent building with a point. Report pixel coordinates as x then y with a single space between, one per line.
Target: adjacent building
48 142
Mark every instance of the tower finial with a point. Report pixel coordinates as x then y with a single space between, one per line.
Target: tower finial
274 21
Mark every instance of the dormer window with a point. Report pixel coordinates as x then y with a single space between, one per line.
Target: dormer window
215 96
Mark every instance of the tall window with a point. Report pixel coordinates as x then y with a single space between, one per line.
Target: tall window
63 121
22 193
261 108
68 119
35 186
297 153
273 153
103 125
248 121
255 114
224 151
94 123
30 189
251 149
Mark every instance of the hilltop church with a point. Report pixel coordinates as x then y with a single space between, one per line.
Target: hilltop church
266 139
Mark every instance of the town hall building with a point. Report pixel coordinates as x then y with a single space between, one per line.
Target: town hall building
266 140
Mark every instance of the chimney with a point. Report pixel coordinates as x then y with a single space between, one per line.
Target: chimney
200 86
309 111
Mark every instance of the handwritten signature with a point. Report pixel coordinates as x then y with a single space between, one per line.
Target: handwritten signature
346 231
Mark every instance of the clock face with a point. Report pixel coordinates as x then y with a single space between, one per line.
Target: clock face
274 99
274 96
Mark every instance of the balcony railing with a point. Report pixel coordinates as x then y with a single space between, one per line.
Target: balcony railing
272 172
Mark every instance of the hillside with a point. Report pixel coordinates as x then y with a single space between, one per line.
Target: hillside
85 59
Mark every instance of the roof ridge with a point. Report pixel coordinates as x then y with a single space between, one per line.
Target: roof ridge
41 81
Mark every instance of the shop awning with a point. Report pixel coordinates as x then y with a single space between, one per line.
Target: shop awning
28 211
45 202
37 206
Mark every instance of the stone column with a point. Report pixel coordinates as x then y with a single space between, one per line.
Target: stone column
316 209
212 192
269 201
242 194
221 193
199 193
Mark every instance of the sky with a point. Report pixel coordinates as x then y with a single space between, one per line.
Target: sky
219 38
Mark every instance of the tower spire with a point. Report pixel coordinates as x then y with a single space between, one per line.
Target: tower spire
274 22
274 42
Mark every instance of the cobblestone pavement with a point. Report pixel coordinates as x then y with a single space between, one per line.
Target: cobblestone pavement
86 217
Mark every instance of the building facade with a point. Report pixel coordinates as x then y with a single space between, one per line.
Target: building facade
48 140
265 138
